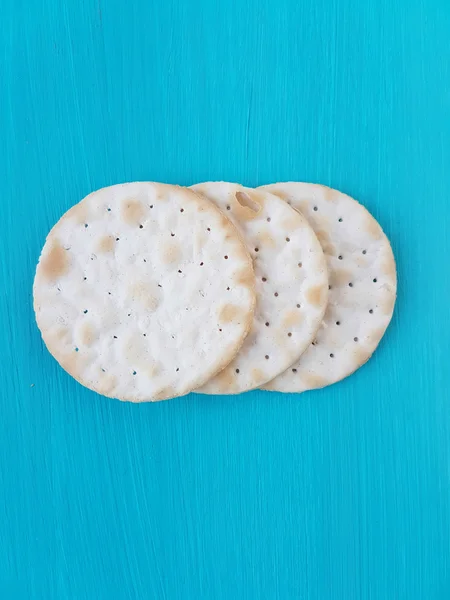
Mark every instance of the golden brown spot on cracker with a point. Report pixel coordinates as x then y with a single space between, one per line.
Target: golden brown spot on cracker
290 225
361 356
265 239
257 377
170 253
61 333
250 199
387 303
292 318
231 313
87 334
107 384
269 386
322 236
164 393
303 206
325 242
388 266
55 263
361 261
144 293
328 194
315 295
151 303
245 277
372 228
106 244
313 381
133 212
247 205
340 277
73 363
153 370
375 335
225 380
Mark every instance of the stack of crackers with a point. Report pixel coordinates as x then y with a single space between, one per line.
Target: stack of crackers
146 291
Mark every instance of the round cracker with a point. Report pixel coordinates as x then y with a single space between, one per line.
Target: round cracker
363 286
144 291
291 284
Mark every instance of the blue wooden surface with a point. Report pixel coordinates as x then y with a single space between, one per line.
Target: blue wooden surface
341 494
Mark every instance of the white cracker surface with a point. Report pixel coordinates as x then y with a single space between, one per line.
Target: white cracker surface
363 286
144 291
291 284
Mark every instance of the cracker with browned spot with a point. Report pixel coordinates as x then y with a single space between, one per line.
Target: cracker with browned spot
291 284
130 286
363 286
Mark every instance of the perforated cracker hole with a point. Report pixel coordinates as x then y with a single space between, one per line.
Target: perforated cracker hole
151 205
179 271
134 372
375 280
364 251
86 225
76 349
85 312
176 370
115 337
181 209
220 330
340 257
256 249
264 279
228 289
299 265
298 305
237 370
109 210
208 229
350 284
228 207
288 239
315 208
371 311
141 227
117 239
84 278
267 323
338 322
268 219
276 294
331 355
355 339
201 264
294 370
289 334
226 257
340 220
144 334
266 357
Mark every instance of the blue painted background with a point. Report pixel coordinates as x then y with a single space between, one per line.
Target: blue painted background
341 494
